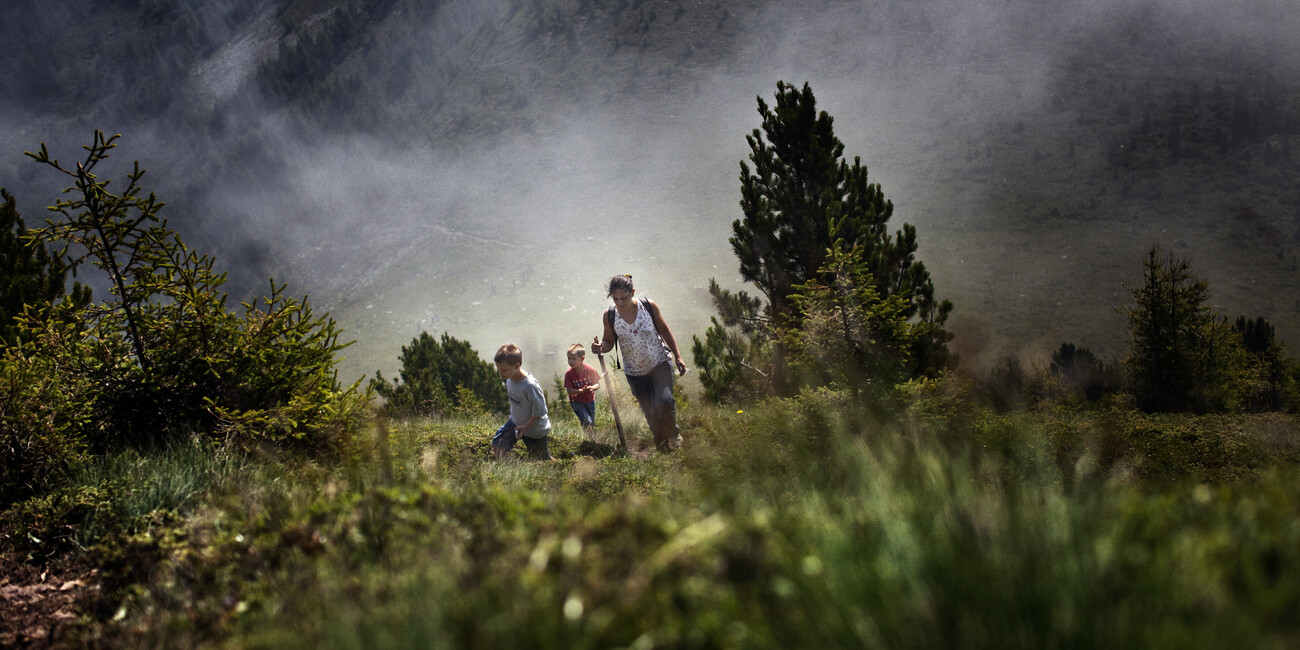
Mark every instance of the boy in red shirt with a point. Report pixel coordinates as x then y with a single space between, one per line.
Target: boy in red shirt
581 381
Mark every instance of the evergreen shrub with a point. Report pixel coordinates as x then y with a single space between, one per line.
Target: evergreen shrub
44 421
163 355
439 376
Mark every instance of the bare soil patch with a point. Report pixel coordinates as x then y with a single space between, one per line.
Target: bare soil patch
39 604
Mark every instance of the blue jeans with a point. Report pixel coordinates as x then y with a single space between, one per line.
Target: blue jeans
655 394
586 412
505 439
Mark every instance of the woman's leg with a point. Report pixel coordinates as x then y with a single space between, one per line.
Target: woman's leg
654 392
642 387
667 435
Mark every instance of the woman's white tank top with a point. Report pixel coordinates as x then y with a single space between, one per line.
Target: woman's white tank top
639 341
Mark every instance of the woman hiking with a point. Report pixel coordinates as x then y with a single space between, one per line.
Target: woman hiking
649 353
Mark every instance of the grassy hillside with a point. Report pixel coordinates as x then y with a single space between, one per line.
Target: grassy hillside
480 167
782 525
382 154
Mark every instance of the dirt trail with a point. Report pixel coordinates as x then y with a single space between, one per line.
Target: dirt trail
38 604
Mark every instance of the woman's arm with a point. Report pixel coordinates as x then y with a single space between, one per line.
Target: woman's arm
666 334
607 344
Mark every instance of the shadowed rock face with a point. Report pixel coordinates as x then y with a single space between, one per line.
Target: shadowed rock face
481 167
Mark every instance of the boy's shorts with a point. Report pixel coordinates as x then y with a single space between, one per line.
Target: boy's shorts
505 439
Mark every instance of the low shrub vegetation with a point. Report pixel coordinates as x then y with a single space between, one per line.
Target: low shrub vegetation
161 357
787 523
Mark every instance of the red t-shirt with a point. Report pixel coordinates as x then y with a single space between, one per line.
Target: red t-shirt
581 377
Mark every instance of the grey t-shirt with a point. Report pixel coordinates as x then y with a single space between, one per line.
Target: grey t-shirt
527 400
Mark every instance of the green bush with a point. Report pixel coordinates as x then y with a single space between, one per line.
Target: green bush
726 359
279 384
850 334
44 422
163 355
61 520
440 376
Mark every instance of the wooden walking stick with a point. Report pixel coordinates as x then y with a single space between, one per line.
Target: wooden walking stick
613 404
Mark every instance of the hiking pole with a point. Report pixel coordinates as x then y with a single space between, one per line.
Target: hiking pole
613 404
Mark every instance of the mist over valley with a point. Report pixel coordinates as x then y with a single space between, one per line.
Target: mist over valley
482 167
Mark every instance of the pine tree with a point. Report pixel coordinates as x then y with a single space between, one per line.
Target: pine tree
1270 382
29 274
849 335
1167 328
438 375
118 233
1080 370
1182 356
800 200
163 354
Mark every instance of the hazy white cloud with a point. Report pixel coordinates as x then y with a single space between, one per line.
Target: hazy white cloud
630 171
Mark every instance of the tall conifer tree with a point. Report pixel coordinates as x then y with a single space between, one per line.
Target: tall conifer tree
29 274
800 199
1182 355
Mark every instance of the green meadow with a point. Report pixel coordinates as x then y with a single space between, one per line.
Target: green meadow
792 523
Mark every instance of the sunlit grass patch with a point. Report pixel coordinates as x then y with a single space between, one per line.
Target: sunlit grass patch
613 477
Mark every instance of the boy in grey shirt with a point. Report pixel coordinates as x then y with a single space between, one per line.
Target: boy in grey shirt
527 407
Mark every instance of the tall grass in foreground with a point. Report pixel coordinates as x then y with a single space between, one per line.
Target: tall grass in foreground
783 526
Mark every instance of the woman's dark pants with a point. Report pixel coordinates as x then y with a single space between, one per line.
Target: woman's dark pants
655 394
